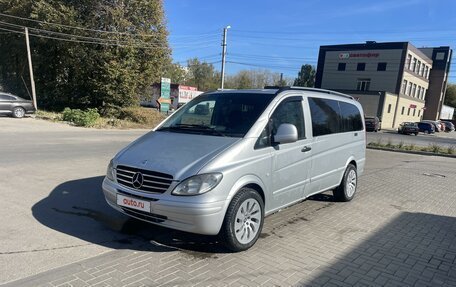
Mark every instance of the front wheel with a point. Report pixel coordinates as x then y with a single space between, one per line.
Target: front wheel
347 188
243 220
18 112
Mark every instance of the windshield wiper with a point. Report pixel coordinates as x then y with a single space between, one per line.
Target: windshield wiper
194 127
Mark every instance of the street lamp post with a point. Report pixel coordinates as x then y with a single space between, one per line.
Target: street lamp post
222 80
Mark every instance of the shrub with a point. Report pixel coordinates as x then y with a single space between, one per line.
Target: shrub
141 115
81 118
451 149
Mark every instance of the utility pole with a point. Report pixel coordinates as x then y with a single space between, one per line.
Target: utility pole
222 80
29 55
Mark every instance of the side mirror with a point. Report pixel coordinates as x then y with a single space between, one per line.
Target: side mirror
286 133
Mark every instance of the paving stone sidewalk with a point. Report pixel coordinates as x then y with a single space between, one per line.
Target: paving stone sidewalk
399 231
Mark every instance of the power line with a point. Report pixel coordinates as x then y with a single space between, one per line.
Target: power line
96 39
94 30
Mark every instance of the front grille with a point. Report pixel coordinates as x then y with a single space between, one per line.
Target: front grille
155 182
151 217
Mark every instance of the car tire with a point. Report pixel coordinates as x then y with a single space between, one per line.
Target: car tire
347 188
243 220
416 134
18 112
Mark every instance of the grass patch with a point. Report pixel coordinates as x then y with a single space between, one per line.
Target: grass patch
122 118
432 148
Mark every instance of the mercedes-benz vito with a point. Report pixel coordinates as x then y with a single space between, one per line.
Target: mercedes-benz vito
226 159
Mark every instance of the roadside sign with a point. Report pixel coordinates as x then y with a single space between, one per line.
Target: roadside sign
165 93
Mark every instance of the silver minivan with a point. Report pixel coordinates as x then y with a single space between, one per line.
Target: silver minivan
227 159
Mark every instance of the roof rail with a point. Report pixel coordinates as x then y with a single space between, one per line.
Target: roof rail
288 88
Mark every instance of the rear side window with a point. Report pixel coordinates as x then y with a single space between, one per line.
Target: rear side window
350 118
331 116
325 116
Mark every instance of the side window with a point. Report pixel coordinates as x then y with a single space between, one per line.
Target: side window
325 116
288 112
350 118
6 98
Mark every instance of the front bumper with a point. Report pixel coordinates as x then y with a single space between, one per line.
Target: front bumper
201 218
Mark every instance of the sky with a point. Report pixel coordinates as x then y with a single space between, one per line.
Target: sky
283 35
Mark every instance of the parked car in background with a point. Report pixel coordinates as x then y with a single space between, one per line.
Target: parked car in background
15 106
373 124
426 128
408 128
449 126
437 126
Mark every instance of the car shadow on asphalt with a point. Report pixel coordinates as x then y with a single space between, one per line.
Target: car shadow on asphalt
78 208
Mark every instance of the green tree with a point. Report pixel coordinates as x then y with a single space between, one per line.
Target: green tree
306 77
202 75
450 95
132 55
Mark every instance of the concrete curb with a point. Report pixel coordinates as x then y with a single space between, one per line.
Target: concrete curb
411 151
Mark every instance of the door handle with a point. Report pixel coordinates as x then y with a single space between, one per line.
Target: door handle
306 149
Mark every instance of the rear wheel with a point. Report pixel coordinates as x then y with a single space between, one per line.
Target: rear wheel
347 188
243 220
18 112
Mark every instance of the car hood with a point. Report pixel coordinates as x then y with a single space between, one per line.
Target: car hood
180 155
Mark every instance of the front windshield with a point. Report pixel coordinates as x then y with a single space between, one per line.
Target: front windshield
219 114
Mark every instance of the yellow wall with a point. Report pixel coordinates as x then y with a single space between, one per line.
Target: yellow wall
387 118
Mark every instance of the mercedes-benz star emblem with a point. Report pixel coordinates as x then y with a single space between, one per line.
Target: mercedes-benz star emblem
137 180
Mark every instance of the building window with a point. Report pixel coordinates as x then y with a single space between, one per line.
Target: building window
422 70
402 112
341 66
404 87
389 108
419 113
414 110
361 67
408 112
424 94
413 91
418 95
363 84
381 66
412 68
409 61
440 56
409 90
418 67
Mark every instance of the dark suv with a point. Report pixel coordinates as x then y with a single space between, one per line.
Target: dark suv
15 106
408 128
372 124
426 128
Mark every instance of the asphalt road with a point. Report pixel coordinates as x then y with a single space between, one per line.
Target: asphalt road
47 169
384 136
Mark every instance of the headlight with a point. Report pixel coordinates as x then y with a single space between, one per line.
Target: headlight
111 172
198 184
